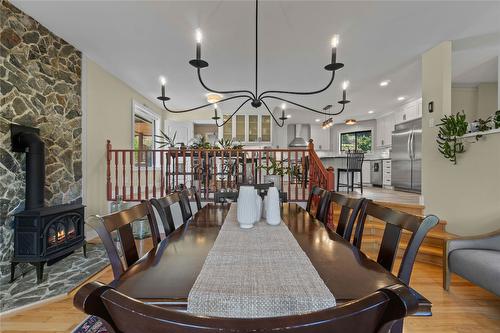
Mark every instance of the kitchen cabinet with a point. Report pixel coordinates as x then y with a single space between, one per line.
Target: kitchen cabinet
246 128
409 111
386 172
320 137
385 126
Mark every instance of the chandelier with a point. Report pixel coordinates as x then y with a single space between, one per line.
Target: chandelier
255 98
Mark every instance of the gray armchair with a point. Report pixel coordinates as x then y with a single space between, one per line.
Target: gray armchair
476 259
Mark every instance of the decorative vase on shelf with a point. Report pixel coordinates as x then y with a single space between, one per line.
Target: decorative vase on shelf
258 205
273 214
246 213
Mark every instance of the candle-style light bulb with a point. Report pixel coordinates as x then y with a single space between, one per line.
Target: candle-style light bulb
345 85
335 43
198 44
163 82
283 106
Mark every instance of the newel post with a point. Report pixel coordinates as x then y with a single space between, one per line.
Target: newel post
108 169
331 178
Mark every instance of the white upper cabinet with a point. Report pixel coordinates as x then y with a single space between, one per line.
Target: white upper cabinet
247 129
385 126
409 111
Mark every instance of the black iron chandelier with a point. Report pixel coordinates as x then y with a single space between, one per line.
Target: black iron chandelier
255 98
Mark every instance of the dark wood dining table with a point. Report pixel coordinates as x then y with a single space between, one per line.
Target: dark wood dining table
165 275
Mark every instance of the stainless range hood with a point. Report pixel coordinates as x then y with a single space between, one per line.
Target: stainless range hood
298 141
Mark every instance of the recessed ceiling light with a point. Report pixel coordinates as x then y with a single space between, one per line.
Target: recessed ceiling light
401 98
213 97
384 83
371 111
289 116
317 120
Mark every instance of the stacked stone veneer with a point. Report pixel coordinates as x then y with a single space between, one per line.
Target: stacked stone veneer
40 77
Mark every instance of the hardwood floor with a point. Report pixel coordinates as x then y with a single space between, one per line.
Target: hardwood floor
386 195
466 308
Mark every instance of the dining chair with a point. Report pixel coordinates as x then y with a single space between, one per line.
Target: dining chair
317 203
186 211
354 165
197 197
395 222
349 211
121 222
164 208
119 313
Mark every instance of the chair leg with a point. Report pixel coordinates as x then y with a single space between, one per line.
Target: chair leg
361 181
446 268
338 180
352 181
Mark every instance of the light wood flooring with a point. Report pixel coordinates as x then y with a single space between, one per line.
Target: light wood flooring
386 195
466 308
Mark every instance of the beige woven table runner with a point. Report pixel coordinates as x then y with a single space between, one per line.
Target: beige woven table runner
258 272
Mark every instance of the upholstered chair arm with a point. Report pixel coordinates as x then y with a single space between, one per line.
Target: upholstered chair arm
490 241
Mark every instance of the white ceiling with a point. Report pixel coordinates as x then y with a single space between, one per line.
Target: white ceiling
138 41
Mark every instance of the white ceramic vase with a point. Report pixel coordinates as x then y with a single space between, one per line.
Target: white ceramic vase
246 213
258 207
273 214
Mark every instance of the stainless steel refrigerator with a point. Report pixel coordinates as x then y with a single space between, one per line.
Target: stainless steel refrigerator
406 156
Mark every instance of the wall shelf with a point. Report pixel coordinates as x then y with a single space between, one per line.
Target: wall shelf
474 134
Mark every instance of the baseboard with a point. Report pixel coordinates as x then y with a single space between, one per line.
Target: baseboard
13 312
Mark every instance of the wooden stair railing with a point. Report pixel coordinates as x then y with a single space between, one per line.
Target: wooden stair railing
318 174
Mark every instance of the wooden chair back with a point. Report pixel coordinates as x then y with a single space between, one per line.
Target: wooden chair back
185 205
395 223
197 197
355 161
317 203
164 208
373 313
121 222
349 212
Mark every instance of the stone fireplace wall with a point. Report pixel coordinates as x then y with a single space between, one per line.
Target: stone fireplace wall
40 79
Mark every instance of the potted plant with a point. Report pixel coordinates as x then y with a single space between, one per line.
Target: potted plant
496 119
451 129
275 172
165 141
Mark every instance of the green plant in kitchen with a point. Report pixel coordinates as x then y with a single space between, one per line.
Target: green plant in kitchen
276 168
482 126
496 119
166 141
200 143
451 129
228 144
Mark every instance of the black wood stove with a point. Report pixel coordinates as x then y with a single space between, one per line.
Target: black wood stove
42 235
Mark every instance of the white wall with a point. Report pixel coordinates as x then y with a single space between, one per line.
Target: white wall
467 194
464 99
108 115
487 101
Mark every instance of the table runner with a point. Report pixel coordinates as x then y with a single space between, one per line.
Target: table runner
258 272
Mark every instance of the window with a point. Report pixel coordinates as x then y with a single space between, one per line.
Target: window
356 141
266 128
145 126
240 128
253 128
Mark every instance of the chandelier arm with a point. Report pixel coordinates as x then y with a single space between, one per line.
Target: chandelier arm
299 92
223 91
302 106
272 115
232 114
337 113
204 105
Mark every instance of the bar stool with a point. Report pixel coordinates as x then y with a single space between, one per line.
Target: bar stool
354 165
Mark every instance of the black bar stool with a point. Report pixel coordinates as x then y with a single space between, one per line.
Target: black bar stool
354 164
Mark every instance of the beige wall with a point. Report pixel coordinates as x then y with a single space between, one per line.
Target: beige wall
464 99
487 101
467 194
108 115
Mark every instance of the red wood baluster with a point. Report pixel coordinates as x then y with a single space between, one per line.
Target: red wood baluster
154 173
191 173
207 166
230 166
244 166
176 186
303 169
200 169
124 161
162 175
281 158
116 174
260 164
296 183
290 174
184 166
253 168
237 171
108 170
146 188
215 170
131 158
169 172
139 175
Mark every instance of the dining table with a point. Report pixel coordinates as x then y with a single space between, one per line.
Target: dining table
165 275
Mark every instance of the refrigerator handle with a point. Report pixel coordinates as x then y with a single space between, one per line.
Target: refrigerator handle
412 144
408 146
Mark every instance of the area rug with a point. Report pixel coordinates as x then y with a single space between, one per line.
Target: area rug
91 324
58 279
